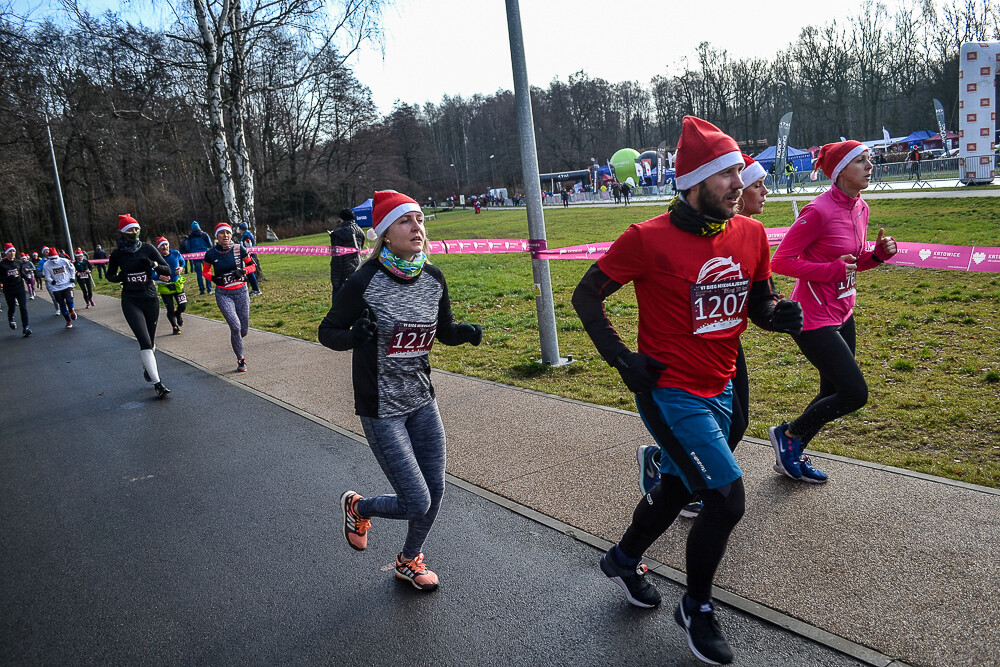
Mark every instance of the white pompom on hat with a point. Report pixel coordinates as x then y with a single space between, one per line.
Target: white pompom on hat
388 206
834 157
752 171
219 227
702 151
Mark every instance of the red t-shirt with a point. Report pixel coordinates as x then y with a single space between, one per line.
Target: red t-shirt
692 293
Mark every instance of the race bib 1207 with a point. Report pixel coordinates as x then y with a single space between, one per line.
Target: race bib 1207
718 306
411 339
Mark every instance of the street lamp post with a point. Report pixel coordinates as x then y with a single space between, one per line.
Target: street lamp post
544 307
457 186
493 173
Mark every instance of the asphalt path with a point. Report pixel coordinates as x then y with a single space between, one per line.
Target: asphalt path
205 529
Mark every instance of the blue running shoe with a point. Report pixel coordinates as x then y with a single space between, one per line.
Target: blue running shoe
649 469
692 510
810 474
785 452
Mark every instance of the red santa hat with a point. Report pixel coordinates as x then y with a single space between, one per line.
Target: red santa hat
127 223
53 252
7 247
388 206
161 241
752 171
703 150
834 157
219 227
79 252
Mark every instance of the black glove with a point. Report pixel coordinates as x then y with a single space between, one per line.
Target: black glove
150 263
787 317
639 371
470 333
364 329
240 274
218 280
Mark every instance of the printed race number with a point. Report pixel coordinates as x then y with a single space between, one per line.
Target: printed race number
718 306
182 298
411 339
848 287
140 278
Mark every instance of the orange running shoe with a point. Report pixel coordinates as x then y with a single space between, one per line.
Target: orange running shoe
416 572
355 526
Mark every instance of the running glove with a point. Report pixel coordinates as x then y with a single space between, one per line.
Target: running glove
470 333
364 329
640 372
787 317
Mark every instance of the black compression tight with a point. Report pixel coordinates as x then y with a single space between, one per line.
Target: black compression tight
174 307
141 315
842 387
706 543
86 289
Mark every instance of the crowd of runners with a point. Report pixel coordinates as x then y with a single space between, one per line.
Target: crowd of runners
701 272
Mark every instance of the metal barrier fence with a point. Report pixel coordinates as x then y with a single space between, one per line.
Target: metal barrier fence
979 168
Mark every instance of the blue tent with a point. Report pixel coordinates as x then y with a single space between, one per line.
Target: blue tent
918 137
800 158
363 214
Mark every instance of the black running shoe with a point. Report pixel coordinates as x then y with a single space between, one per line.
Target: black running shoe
161 391
241 367
705 638
13 324
27 332
638 591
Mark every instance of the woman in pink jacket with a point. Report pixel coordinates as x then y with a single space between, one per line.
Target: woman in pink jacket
824 250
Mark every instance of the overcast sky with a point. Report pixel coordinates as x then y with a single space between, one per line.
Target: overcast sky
460 47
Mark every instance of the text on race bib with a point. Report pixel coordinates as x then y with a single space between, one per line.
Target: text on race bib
12 273
848 286
182 298
140 278
411 339
58 270
718 306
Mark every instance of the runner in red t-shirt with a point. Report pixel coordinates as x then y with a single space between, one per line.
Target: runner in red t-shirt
699 273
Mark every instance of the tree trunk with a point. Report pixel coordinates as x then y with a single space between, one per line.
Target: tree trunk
213 47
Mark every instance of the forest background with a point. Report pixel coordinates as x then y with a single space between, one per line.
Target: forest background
250 112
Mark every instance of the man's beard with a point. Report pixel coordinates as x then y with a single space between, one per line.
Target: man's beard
718 208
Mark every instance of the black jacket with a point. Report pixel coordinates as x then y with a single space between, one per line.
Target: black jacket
348 235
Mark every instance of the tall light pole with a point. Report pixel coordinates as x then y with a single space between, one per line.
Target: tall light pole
457 186
532 191
493 173
62 204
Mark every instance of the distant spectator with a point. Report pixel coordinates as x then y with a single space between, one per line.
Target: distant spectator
99 253
913 157
789 176
565 198
199 241
626 191
616 192
348 235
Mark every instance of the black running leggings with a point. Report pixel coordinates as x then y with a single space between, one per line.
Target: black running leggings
87 289
169 301
706 543
17 297
842 387
141 314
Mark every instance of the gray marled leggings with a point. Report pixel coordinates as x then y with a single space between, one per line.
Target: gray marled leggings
235 307
411 451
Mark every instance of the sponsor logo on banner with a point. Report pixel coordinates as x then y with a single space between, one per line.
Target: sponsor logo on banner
978 257
924 253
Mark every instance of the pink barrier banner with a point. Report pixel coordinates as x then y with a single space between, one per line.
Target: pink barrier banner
924 255
588 251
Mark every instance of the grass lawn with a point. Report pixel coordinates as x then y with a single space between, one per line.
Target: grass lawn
927 340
